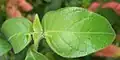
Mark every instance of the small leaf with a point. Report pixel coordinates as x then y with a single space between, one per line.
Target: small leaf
37 28
4 46
17 31
74 32
34 55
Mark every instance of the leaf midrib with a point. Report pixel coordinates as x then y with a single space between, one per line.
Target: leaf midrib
79 32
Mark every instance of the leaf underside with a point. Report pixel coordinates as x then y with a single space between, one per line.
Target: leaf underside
17 31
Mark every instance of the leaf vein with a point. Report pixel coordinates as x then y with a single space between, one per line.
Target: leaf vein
32 55
79 32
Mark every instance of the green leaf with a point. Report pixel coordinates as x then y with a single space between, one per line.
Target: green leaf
37 25
34 55
4 46
74 32
17 31
37 28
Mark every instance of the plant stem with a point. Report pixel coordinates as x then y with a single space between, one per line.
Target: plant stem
12 57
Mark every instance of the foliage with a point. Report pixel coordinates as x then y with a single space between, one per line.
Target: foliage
59 29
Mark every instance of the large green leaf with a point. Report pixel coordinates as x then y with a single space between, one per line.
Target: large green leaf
37 28
17 31
34 55
73 32
4 46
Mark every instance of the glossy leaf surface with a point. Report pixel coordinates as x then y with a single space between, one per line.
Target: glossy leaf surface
74 32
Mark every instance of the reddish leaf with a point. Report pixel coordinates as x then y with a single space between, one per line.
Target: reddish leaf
94 6
12 11
113 5
24 5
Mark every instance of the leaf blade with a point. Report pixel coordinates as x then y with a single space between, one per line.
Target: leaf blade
18 31
75 32
37 28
